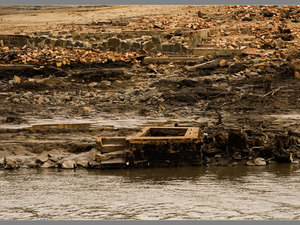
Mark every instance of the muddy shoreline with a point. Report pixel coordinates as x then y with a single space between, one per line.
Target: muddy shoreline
242 124
65 84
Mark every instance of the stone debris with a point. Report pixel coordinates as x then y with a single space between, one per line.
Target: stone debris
232 65
69 164
42 158
260 162
48 164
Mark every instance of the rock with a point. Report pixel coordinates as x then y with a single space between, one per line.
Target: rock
78 44
167 47
267 13
237 156
15 100
250 163
237 140
148 45
105 84
67 98
48 164
17 79
10 165
92 153
95 164
28 95
42 158
152 68
200 14
68 43
68 164
87 109
2 162
156 39
279 43
257 141
55 158
40 100
136 46
118 83
177 47
57 43
247 17
114 42
295 65
221 140
83 163
125 45
260 162
27 162
102 157
223 62
297 74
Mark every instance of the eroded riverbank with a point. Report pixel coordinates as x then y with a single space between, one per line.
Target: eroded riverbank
233 74
198 193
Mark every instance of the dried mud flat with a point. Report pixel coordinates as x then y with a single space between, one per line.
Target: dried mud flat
247 104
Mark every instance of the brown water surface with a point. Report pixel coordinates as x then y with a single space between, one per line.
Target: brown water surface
201 193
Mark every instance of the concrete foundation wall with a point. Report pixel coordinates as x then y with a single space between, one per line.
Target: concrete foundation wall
176 43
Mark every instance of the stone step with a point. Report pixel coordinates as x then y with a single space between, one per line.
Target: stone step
110 155
114 161
116 154
112 148
113 140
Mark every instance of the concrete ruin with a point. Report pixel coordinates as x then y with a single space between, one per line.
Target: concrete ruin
178 42
154 147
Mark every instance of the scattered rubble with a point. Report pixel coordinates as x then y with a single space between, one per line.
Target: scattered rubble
233 65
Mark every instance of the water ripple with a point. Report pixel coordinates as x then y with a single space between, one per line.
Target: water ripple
247 193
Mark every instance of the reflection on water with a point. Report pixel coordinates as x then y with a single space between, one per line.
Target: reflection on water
203 193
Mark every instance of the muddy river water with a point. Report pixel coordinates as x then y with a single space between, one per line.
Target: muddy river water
201 193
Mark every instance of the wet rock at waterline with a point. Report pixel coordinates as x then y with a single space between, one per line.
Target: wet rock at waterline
69 164
82 163
11 165
48 164
260 162
42 158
